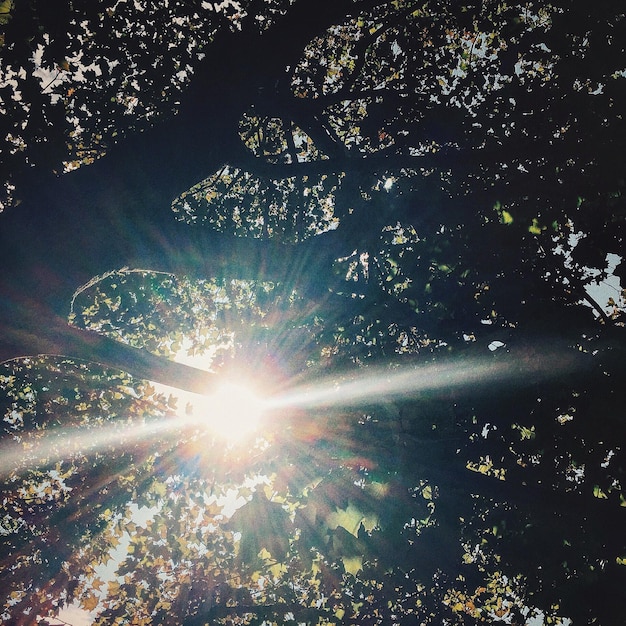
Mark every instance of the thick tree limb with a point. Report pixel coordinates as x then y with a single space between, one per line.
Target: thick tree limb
116 213
54 337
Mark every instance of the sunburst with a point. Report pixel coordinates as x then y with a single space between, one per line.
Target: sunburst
232 412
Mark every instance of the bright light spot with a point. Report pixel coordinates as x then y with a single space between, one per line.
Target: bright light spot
388 184
232 412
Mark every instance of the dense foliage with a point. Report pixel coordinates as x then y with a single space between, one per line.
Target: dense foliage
404 221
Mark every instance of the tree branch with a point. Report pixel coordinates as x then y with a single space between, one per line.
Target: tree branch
56 338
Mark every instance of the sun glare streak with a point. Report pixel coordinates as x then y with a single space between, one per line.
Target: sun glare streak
231 413
234 411
379 383
63 443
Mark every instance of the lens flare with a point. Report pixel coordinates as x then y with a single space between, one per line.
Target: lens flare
232 412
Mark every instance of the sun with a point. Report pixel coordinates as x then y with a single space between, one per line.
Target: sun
232 412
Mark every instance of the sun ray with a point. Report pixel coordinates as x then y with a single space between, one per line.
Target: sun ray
234 411
63 443
374 384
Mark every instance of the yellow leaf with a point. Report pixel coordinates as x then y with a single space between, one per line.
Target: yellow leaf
598 493
534 227
113 588
278 569
507 218
378 490
5 11
351 519
89 603
352 564
213 508
158 488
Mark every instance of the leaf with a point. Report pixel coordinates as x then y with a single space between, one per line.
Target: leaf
113 588
598 492
352 564
89 603
507 218
262 524
158 488
377 489
534 228
5 11
351 519
278 569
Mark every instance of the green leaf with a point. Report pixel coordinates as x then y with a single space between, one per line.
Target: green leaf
262 524
507 218
5 11
599 493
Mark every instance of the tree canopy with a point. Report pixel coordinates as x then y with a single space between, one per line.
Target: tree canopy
401 222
